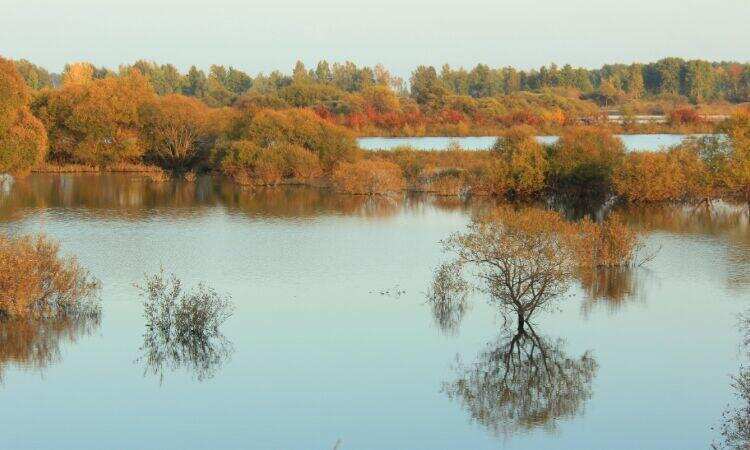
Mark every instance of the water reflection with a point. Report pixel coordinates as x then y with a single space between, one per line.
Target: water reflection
734 429
609 287
136 197
727 223
448 298
523 381
35 344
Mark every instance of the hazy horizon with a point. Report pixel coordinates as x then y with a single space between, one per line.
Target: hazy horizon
263 38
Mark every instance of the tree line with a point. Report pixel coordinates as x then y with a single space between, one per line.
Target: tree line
455 101
96 119
698 80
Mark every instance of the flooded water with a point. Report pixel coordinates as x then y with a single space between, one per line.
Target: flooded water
332 343
633 142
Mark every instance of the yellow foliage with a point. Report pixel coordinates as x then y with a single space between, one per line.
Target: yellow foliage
368 176
37 283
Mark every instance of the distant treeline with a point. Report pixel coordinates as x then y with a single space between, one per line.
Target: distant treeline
449 101
697 80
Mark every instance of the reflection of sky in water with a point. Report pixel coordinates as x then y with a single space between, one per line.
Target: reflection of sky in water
318 357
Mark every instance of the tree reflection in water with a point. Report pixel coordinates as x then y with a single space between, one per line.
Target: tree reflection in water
34 344
183 329
448 298
735 421
735 424
612 287
523 381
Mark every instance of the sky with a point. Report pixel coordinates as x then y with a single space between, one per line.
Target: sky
400 34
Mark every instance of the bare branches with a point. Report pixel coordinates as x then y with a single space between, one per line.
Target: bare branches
183 328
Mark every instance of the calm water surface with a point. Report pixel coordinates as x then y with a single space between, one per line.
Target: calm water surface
332 340
633 142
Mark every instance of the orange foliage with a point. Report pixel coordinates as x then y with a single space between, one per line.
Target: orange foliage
23 139
176 130
585 157
36 282
368 177
95 123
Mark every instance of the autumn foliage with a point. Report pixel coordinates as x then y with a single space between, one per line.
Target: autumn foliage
95 121
23 139
36 282
585 158
368 177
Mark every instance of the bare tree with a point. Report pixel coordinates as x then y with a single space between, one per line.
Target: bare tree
520 258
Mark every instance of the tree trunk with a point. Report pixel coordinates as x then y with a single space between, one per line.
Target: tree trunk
521 322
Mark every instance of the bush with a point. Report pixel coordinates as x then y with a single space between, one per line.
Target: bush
661 176
249 163
607 244
524 161
13 94
35 282
585 157
304 128
368 177
183 327
684 116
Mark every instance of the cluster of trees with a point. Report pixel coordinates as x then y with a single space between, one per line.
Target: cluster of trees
370 100
588 161
94 119
289 128
697 80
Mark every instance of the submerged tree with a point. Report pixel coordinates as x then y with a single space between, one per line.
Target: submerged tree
523 381
520 258
183 328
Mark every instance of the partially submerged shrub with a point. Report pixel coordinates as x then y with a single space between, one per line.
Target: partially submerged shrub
526 259
448 181
368 177
249 163
183 327
584 158
524 164
36 282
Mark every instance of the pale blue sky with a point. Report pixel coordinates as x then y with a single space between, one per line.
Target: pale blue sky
262 36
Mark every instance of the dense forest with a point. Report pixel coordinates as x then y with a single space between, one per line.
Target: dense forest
301 128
